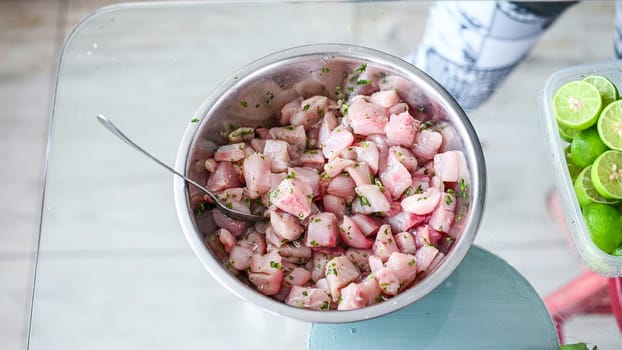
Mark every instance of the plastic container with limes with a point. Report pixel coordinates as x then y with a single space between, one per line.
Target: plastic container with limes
594 258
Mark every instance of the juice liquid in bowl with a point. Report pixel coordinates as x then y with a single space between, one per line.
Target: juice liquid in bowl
594 258
249 88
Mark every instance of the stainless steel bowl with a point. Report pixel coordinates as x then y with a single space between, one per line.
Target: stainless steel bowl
272 81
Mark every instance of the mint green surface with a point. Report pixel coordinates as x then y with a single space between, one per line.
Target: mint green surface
484 304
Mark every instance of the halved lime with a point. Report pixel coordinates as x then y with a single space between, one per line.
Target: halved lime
566 133
605 226
607 174
607 89
577 105
610 125
586 146
586 193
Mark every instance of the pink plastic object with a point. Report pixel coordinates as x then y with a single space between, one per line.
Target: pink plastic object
588 293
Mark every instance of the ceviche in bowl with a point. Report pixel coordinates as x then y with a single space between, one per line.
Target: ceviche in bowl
369 174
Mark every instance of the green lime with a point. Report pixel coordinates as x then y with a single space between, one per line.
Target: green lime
577 105
573 169
566 133
610 125
607 174
605 225
586 193
607 89
586 146
617 251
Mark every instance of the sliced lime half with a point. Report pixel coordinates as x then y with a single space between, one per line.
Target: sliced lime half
577 105
586 193
607 174
610 125
607 89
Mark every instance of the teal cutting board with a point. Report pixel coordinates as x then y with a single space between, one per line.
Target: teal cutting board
484 304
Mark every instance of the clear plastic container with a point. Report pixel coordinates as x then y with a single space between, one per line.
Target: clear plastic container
595 259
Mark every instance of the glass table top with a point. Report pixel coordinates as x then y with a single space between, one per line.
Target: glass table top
113 267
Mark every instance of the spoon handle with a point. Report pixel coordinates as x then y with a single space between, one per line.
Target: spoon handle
113 129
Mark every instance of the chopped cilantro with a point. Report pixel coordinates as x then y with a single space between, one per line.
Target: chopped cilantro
306 107
291 175
379 298
426 125
325 305
276 265
325 70
244 104
276 192
194 120
412 262
363 82
305 293
344 108
362 68
325 176
419 190
463 188
314 243
421 109
364 201
448 199
378 183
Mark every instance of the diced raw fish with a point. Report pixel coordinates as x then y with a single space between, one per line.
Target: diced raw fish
313 109
294 197
398 108
404 221
395 177
236 227
308 298
322 230
290 108
401 129
295 252
446 166
383 149
329 122
443 216
422 203
367 152
404 156
254 241
395 82
334 204
320 259
405 242
338 140
342 186
370 200
263 133
388 281
339 272
241 134
358 295
420 183
255 168
384 244
294 135
375 263
298 276
385 98
277 152
404 266
308 176
240 257
424 256
351 235
224 177
275 180
226 238
367 118
451 139
427 143
231 153
312 159
360 258
286 225
210 165
266 272
337 166
366 224
360 173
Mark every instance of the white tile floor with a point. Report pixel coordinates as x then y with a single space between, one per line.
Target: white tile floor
31 33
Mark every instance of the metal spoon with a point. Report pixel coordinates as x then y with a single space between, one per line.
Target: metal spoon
229 212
